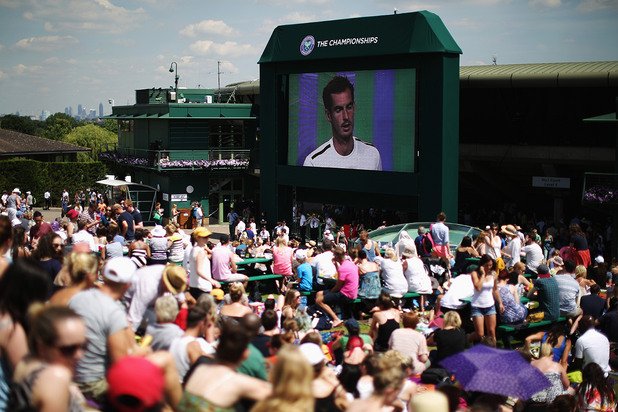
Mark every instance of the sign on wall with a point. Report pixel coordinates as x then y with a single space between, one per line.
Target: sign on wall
551 182
179 197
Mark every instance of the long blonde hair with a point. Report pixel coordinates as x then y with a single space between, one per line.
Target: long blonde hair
292 378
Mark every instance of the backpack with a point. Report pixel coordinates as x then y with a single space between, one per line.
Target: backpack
427 243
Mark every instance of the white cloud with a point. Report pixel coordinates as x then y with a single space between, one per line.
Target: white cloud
92 15
1 46
293 2
22 69
45 43
269 25
71 61
3 75
545 4
229 67
52 60
587 6
12 4
227 49
218 27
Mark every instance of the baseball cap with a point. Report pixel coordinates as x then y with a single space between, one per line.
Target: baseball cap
135 384
119 270
300 254
599 259
218 294
312 352
351 325
72 214
201 232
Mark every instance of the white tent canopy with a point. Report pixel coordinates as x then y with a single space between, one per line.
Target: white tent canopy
142 196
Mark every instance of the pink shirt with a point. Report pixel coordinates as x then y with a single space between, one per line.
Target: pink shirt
220 262
348 274
282 260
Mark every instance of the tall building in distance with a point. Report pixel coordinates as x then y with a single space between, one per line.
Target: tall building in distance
44 115
80 110
100 109
66 111
70 113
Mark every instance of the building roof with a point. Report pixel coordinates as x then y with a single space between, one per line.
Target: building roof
13 143
575 74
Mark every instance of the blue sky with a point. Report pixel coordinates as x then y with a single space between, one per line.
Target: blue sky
57 53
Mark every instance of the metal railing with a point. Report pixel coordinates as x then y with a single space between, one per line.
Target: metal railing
214 159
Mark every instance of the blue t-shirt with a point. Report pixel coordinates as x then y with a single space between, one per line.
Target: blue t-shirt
305 274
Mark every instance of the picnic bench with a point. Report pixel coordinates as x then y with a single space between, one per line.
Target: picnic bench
257 278
508 332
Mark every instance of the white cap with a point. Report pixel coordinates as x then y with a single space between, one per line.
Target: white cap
300 254
599 259
16 190
313 353
120 270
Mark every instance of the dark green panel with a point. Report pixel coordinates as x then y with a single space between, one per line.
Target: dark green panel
405 119
293 122
324 129
363 112
394 34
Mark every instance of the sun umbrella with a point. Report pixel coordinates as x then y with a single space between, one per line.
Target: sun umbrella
497 371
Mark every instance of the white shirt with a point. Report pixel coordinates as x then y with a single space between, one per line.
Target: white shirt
593 346
363 156
46 195
461 287
534 255
83 236
513 248
324 265
240 227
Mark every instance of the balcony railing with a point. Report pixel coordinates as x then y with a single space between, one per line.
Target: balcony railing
216 159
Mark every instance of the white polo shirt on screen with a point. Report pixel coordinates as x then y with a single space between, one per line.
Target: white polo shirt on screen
364 156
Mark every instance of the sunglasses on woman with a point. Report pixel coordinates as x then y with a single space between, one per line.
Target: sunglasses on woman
70 350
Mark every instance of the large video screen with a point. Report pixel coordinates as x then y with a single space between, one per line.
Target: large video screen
371 127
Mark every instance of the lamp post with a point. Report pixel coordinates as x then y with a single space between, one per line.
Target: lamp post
174 68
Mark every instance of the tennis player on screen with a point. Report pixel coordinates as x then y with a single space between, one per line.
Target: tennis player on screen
343 150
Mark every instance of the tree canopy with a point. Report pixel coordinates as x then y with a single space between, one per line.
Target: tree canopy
92 136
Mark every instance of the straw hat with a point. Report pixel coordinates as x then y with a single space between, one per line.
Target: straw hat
175 279
509 230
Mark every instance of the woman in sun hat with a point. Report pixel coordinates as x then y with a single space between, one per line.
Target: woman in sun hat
511 252
200 277
158 246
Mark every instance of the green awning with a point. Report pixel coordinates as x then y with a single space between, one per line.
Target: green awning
394 34
604 118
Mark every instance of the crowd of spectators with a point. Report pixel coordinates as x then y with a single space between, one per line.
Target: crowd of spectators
99 312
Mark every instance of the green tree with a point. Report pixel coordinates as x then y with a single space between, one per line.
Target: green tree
92 136
58 125
111 125
21 124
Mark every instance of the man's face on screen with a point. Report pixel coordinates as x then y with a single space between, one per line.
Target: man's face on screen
341 115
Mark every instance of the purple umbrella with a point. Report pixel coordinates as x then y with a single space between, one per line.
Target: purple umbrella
498 371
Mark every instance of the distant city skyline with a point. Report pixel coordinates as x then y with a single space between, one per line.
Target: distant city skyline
61 53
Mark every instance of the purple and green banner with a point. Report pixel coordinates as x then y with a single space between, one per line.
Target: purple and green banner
384 114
